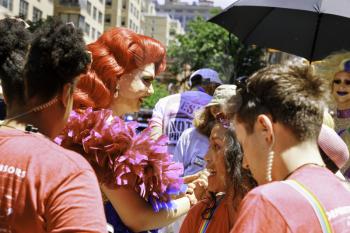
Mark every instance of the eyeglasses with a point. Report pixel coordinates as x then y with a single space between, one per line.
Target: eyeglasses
221 118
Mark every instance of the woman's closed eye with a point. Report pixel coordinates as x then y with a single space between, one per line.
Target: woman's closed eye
215 146
147 80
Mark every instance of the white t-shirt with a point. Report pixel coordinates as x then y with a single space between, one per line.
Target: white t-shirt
190 151
174 114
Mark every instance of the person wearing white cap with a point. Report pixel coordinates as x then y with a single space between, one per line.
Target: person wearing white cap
174 114
194 142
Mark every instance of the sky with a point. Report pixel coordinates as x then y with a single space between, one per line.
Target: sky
222 3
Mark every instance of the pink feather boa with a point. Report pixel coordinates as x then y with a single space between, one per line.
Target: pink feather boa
120 156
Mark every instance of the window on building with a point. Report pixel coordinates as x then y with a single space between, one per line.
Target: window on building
88 7
101 1
63 17
98 34
108 2
37 14
93 33
107 18
69 3
189 18
130 23
178 10
123 22
100 17
23 9
178 17
74 18
7 3
94 15
124 4
172 32
81 22
87 29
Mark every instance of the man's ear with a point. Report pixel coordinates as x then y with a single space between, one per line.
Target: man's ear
265 126
66 93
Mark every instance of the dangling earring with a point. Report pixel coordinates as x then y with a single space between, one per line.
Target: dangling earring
269 166
116 92
270 158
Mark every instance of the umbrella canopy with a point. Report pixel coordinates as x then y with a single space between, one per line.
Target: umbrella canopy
308 28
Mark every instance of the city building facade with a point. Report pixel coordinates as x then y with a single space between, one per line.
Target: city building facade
123 13
185 12
87 14
162 28
32 10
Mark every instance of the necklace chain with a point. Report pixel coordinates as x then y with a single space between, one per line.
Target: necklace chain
35 109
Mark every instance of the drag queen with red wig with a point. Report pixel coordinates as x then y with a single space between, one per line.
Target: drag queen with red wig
135 172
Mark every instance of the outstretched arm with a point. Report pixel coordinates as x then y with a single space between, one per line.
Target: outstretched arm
156 122
139 215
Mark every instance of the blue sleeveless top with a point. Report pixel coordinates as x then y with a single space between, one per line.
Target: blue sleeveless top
114 219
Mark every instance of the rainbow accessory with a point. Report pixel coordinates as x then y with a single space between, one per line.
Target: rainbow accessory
205 222
314 202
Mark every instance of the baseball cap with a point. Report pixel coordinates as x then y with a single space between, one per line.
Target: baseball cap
221 94
207 74
333 146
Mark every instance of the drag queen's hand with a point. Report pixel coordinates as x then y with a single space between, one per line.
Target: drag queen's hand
129 204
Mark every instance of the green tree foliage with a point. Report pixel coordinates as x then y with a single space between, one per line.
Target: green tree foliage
209 45
160 91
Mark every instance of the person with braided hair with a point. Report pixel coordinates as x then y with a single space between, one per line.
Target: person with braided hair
135 172
43 187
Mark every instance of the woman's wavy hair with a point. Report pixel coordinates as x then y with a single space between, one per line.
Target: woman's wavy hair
239 179
117 52
204 121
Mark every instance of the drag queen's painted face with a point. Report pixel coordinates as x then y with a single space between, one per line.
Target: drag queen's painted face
341 89
133 89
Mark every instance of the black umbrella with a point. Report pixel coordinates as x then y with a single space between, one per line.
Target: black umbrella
307 28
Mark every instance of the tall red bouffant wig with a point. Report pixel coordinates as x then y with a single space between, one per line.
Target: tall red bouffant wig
117 52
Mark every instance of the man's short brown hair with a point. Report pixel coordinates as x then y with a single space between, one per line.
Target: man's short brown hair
289 93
